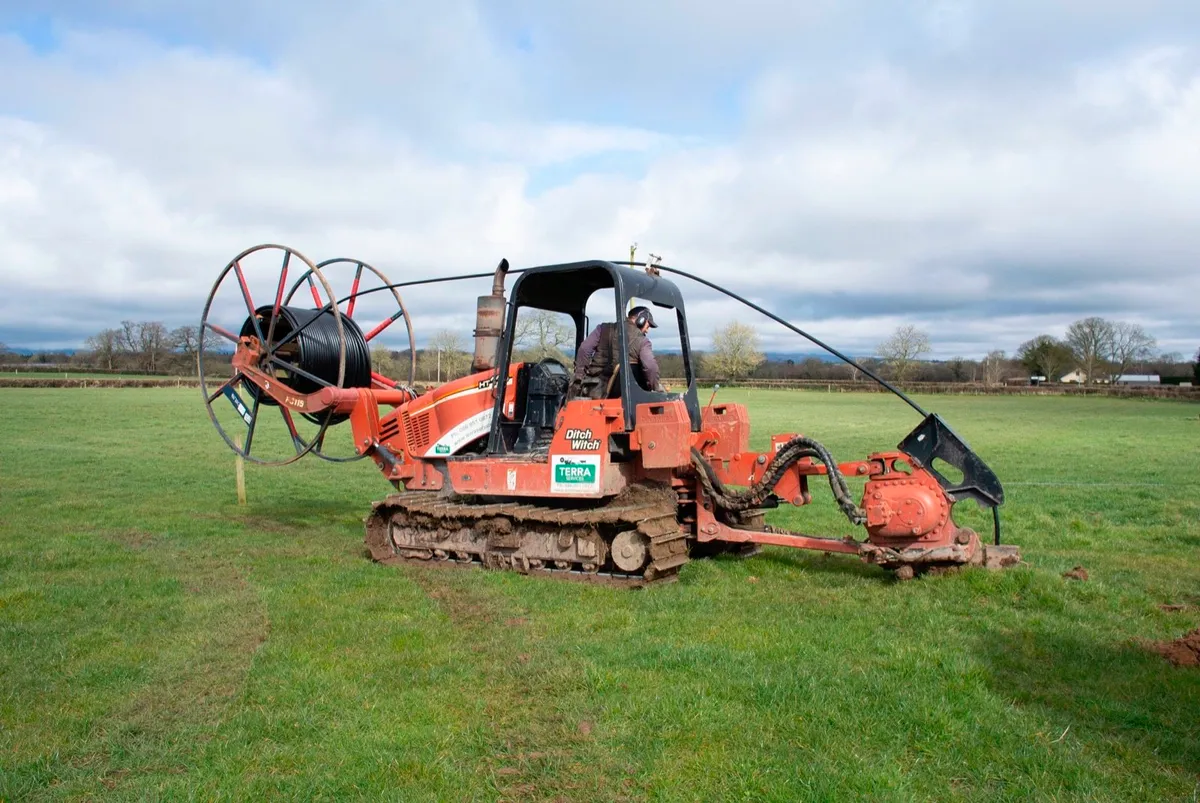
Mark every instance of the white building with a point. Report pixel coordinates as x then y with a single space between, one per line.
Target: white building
1076 377
1138 379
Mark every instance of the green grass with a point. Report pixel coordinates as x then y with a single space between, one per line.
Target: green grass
80 375
158 641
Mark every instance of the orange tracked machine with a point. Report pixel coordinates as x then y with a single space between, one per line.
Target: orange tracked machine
518 466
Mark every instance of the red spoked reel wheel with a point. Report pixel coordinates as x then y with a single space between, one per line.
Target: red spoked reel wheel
270 336
349 304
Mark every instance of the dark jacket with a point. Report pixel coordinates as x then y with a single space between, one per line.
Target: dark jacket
596 357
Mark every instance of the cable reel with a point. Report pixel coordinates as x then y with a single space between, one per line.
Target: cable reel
304 350
312 355
360 371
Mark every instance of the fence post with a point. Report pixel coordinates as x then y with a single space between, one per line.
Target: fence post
239 465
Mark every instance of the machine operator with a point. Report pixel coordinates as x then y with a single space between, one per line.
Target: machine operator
597 361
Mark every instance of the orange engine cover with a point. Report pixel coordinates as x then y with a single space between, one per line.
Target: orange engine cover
444 420
909 508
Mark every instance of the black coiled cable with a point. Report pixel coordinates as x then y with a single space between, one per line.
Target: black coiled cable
315 351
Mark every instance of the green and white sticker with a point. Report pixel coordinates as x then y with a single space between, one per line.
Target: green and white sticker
458 437
574 474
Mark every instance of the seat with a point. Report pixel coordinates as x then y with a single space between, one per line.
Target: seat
545 395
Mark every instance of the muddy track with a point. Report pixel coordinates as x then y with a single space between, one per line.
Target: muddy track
633 540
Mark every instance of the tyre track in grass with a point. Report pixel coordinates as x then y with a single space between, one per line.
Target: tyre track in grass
163 728
539 735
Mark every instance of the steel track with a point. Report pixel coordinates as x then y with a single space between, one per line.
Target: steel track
428 529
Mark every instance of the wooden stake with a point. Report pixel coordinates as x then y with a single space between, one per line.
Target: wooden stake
239 464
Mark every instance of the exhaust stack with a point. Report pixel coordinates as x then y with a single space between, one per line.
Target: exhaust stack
489 322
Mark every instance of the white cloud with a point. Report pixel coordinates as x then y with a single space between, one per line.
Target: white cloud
534 144
852 195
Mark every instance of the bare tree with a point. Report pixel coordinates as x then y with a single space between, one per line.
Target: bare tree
147 342
105 345
813 368
382 362
184 339
127 337
1166 364
1090 341
445 357
1130 344
541 334
153 345
993 367
734 353
1170 357
903 349
958 368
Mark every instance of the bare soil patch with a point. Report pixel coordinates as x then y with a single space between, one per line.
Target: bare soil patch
1183 651
132 539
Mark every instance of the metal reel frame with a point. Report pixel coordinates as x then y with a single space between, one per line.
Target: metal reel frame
271 360
351 299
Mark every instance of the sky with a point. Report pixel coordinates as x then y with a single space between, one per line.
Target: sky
986 171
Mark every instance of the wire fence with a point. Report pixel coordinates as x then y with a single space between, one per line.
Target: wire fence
960 388
37 380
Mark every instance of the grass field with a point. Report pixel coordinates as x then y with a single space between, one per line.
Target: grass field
157 641
77 375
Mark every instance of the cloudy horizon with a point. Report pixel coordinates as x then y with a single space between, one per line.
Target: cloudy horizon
986 171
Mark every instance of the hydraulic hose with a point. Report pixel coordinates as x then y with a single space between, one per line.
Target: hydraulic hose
788 455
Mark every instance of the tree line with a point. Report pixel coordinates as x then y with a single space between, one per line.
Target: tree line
145 347
1099 348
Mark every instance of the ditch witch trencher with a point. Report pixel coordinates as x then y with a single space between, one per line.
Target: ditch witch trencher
514 467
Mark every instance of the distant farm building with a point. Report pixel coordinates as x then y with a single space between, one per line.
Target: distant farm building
1076 377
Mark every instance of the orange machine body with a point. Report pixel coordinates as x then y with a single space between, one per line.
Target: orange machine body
475 437
428 437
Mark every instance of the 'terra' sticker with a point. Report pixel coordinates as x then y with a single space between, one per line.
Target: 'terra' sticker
574 474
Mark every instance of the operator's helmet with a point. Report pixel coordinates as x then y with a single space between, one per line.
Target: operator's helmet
641 316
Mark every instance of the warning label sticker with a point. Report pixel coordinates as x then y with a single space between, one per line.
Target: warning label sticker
470 429
573 474
238 404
